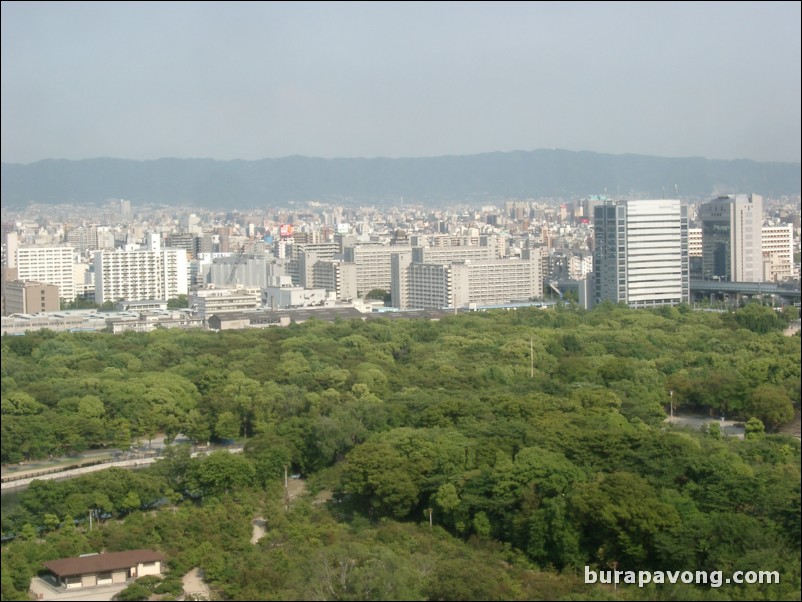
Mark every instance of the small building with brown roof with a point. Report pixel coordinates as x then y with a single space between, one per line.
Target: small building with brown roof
105 569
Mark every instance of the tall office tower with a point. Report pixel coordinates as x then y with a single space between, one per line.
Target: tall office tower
641 252
48 265
731 238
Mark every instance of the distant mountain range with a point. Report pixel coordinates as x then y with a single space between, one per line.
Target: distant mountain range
469 179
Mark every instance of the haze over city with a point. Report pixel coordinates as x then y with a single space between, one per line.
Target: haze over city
251 80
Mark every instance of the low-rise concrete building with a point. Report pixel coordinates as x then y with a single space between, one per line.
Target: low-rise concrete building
105 569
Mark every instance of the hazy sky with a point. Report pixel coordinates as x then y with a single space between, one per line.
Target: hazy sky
255 80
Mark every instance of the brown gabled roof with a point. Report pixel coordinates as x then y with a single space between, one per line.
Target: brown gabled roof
101 563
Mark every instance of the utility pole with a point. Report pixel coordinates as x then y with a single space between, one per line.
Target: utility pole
531 359
286 489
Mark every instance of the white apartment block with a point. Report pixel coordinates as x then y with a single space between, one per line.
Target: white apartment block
48 265
448 254
140 275
435 286
310 254
336 276
459 284
500 281
580 265
778 252
372 265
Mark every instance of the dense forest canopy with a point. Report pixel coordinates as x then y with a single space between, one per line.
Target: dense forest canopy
534 440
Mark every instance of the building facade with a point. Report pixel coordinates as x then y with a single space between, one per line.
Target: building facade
463 283
641 252
30 297
777 244
133 275
336 276
48 265
372 265
732 238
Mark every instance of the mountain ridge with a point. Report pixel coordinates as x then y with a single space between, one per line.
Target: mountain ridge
450 178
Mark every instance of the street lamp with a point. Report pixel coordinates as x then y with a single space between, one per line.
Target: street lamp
671 402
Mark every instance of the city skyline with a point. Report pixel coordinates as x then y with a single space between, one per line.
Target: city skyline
237 81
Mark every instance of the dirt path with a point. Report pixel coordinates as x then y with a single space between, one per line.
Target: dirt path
194 585
296 487
259 529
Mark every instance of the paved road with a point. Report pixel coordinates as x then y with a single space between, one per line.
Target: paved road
696 421
140 450
68 474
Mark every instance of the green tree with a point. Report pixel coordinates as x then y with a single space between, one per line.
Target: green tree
270 454
218 473
20 403
135 591
378 294
196 427
759 318
771 404
385 478
129 503
179 302
227 426
754 428
620 515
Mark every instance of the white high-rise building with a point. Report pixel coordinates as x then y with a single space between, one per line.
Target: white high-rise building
778 252
641 252
48 265
732 238
140 275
